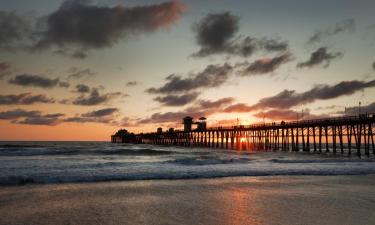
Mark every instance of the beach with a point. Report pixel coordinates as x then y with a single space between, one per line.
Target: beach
293 200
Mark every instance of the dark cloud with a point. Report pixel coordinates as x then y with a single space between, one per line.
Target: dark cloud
177 100
24 99
76 73
18 113
20 116
82 88
13 29
202 108
30 80
101 112
48 120
273 45
216 34
131 83
373 65
340 27
105 115
289 98
320 56
265 65
94 98
80 24
211 76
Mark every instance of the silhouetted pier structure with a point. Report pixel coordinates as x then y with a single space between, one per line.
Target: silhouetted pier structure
345 135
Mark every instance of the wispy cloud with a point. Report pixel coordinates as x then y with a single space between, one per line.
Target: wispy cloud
94 97
24 99
264 65
319 57
212 76
289 98
347 25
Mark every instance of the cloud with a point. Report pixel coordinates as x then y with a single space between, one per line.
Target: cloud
265 65
177 100
212 76
373 65
94 98
105 115
76 73
81 25
20 116
24 99
18 113
101 112
289 98
82 88
30 80
202 108
320 56
13 29
48 119
131 83
216 34
347 25
273 45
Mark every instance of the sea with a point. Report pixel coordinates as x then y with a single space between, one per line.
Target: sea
73 162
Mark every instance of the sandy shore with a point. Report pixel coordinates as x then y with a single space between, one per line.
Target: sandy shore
285 200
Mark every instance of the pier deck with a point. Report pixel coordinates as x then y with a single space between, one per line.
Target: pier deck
345 135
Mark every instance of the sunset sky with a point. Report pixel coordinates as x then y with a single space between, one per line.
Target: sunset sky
80 70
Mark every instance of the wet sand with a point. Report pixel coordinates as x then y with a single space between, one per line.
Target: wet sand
292 200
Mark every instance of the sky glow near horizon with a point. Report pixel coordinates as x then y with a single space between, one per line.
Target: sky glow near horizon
80 70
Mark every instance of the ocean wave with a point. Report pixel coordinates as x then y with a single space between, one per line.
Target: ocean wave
134 152
202 161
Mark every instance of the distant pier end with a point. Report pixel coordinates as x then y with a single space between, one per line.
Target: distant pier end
123 136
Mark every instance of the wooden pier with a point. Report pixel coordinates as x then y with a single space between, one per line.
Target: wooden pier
340 135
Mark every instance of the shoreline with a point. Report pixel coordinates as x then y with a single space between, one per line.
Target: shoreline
293 200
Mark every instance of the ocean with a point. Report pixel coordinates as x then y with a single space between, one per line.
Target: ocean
75 162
